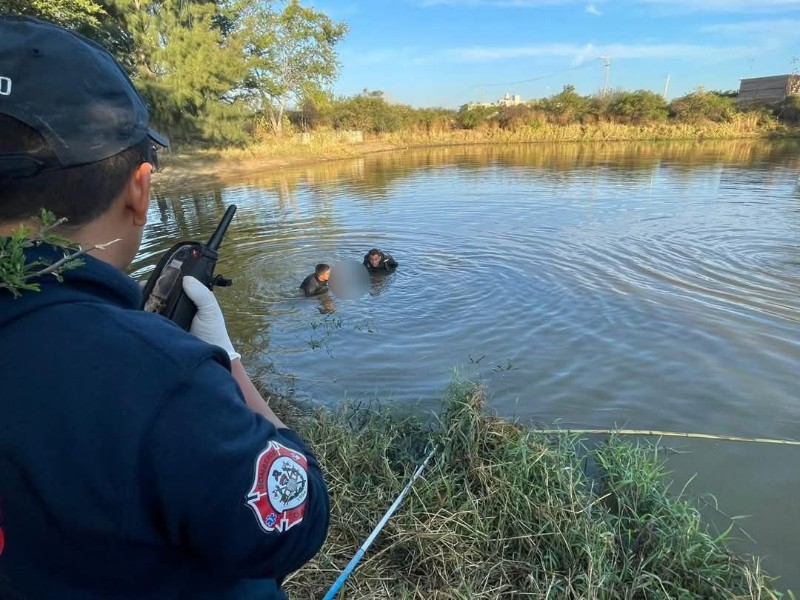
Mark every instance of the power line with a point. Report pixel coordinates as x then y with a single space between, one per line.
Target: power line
535 78
480 86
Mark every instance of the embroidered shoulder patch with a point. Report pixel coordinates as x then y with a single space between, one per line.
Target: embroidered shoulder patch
280 486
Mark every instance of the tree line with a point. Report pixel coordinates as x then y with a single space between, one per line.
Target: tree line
236 71
370 111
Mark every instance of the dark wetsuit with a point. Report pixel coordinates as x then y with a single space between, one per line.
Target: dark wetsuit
312 286
387 264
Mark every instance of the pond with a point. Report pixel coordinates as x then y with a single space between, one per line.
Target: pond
634 285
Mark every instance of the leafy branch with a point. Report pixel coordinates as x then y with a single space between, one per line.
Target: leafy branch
17 274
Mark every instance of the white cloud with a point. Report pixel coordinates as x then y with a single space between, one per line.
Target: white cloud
720 6
425 3
728 6
484 53
761 36
684 51
407 56
770 28
587 53
497 3
374 57
578 54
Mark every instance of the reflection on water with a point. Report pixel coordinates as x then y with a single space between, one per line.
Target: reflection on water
651 286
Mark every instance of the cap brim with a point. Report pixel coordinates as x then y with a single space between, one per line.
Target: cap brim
158 138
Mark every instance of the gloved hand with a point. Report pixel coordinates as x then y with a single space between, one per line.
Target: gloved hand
208 324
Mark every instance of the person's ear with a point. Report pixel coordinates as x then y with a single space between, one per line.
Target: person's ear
138 194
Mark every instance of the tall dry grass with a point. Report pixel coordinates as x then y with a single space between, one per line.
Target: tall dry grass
503 511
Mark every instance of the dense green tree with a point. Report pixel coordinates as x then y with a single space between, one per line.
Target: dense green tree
433 120
788 111
314 109
473 116
567 106
187 59
369 111
83 14
205 66
288 52
519 116
701 105
638 107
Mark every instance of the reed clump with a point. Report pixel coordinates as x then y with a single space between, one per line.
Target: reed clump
740 128
503 511
328 144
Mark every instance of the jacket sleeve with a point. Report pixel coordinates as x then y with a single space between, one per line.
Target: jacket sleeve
228 486
389 261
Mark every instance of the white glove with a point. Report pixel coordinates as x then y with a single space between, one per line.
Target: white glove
208 324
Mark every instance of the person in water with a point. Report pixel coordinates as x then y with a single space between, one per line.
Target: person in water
378 261
317 282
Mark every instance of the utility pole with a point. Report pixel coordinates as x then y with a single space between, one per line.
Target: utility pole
607 61
666 87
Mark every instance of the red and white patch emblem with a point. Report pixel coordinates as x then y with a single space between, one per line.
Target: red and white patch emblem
280 487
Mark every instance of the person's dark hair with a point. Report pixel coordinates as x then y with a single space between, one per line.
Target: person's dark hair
374 252
321 268
80 194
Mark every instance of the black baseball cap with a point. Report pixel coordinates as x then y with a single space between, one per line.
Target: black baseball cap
70 90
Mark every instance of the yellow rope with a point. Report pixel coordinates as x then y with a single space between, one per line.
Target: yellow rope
649 432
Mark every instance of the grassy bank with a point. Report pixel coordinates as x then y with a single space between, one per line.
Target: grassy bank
185 166
599 132
503 512
188 166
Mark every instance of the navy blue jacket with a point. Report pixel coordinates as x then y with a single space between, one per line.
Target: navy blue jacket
130 466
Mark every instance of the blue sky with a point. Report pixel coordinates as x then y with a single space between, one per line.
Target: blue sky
448 52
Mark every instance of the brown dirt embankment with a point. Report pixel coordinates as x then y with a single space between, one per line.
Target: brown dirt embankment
193 168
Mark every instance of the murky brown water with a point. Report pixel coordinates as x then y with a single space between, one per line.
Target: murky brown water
648 286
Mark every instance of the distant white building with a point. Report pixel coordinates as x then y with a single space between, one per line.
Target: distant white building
506 100
509 100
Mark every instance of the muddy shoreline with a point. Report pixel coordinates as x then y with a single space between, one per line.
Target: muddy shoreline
197 168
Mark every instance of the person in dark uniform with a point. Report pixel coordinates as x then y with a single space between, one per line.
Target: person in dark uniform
317 282
137 460
378 261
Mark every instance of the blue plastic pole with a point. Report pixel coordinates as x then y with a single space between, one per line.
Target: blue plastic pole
362 550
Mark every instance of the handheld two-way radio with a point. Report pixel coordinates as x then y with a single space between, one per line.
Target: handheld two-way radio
163 293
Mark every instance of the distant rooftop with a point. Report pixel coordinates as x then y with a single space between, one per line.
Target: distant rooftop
768 90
